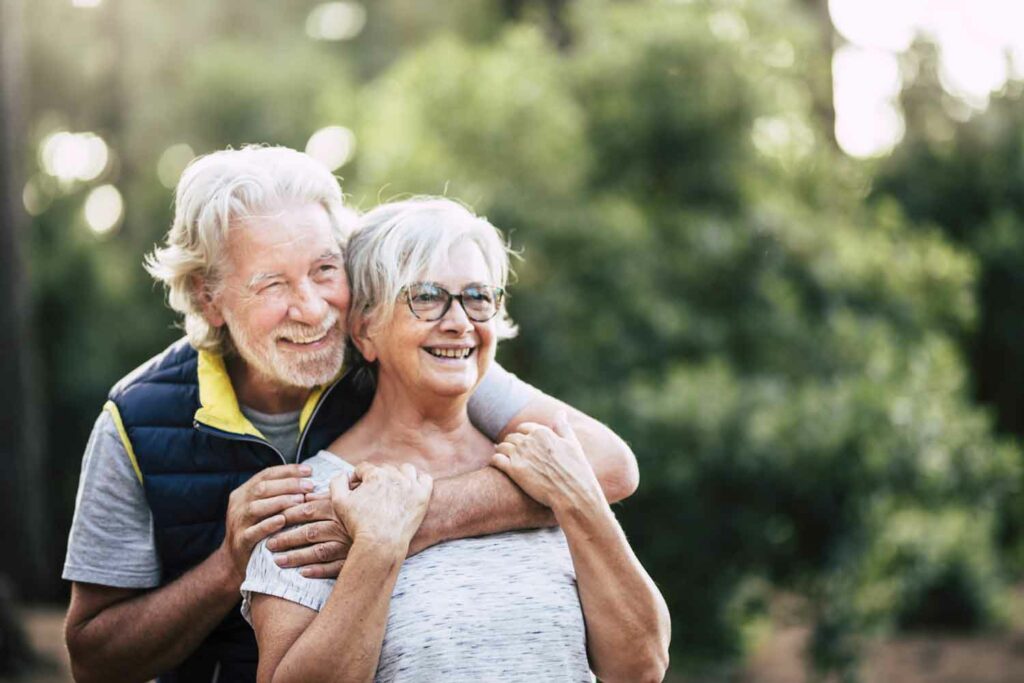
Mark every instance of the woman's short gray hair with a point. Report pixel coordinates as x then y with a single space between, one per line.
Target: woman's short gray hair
395 243
216 190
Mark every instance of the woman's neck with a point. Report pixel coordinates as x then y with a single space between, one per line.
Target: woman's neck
402 425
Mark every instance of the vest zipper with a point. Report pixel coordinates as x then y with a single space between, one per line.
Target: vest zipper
255 439
238 437
309 423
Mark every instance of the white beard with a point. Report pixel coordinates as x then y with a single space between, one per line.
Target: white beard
292 368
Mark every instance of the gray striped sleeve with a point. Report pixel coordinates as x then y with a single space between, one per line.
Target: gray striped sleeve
263 575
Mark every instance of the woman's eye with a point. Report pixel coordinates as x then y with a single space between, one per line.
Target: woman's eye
272 287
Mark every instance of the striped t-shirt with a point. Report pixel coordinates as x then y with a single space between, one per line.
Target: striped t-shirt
492 608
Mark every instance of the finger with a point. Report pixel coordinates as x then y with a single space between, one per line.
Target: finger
339 486
301 536
528 428
319 495
329 570
516 439
257 532
562 427
268 488
501 461
363 469
309 512
283 472
314 554
258 510
505 448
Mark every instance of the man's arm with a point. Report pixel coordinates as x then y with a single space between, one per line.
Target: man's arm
128 634
474 504
487 501
124 634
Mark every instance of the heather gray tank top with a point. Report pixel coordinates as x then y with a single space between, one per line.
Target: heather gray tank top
493 608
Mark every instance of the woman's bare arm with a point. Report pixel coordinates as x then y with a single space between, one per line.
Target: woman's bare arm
628 626
343 641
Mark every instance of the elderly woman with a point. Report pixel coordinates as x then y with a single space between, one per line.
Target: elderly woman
428 282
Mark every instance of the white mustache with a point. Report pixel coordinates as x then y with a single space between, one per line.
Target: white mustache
298 330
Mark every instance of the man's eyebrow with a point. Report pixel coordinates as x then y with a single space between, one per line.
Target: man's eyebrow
260 278
329 255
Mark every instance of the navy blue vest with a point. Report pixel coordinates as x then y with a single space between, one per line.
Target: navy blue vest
189 470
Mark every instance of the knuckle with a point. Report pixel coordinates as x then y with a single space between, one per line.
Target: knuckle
311 532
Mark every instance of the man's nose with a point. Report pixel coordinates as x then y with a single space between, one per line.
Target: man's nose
307 305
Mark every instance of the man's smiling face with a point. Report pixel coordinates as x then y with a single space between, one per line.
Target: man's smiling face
284 297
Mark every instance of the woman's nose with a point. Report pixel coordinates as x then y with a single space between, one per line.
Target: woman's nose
455 318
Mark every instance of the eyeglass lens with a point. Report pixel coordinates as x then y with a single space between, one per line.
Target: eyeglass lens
430 301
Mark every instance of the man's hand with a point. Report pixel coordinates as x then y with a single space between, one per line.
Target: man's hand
318 542
549 465
255 507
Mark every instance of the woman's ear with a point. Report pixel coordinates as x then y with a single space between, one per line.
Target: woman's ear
207 301
363 340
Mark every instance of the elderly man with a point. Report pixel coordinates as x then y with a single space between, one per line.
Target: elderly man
197 455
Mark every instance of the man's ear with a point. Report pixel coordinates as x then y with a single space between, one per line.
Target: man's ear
207 301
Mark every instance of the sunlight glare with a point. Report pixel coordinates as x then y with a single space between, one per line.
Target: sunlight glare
332 146
104 209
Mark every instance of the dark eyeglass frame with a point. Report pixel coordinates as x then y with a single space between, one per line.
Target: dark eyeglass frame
498 292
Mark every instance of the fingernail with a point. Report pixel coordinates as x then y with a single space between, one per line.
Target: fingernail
298 498
308 485
305 469
281 560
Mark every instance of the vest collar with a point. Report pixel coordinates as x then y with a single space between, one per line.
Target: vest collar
218 404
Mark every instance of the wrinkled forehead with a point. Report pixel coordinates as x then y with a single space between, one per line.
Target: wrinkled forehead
289 236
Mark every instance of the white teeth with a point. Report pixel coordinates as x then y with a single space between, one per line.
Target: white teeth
450 353
307 341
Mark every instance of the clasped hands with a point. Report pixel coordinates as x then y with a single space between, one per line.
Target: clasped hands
386 504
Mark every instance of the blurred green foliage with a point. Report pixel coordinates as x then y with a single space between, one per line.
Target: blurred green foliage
701 270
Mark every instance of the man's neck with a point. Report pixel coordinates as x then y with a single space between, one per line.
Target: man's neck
260 392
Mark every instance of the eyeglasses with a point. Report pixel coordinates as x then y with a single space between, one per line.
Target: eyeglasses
430 301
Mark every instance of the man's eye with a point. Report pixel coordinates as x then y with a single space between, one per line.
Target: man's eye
271 287
328 268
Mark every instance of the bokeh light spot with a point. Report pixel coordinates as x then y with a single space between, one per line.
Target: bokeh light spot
336 21
332 146
35 198
104 209
74 156
172 162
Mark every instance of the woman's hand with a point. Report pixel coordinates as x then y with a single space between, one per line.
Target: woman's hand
382 504
549 466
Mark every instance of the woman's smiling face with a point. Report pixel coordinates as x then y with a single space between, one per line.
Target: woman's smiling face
446 357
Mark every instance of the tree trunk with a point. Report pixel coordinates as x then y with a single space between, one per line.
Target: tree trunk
22 492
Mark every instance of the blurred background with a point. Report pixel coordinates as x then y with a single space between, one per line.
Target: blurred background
778 245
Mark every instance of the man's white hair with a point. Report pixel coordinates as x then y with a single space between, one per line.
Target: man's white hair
395 243
214 192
